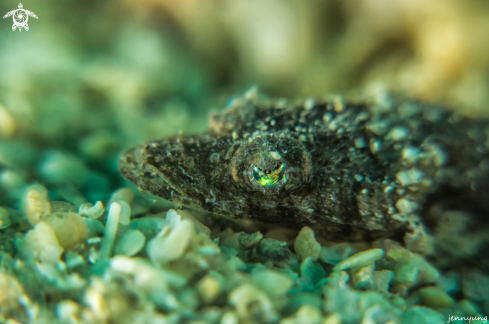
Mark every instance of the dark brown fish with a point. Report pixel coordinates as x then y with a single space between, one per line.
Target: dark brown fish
348 170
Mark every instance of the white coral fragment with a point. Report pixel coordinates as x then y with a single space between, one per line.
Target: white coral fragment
360 259
94 211
36 205
110 230
41 243
172 242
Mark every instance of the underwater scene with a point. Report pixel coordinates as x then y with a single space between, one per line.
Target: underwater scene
239 162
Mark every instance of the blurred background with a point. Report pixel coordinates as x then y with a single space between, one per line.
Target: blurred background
91 78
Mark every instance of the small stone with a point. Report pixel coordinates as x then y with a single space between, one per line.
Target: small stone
409 177
210 286
309 103
475 286
41 242
130 243
275 155
172 242
375 146
311 272
423 315
92 211
247 296
7 123
229 318
339 103
124 194
398 133
336 253
4 218
362 276
110 230
305 244
70 229
11 293
125 217
146 275
73 260
360 142
411 154
36 205
272 282
332 319
98 304
274 251
360 259
66 310
249 241
382 279
305 315
435 297
406 206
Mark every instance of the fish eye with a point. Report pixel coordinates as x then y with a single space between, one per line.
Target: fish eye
269 178
271 165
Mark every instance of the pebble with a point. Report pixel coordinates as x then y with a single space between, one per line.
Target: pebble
360 142
41 242
66 310
360 259
336 253
130 243
305 244
398 133
375 146
110 230
362 276
98 304
249 241
272 282
69 228
245 296
434 297
409 177
124 194
36 205
275 155
475 286
382 279
146 275
125 217
305 315
276 252
171 243
11 293
7 123
4 218
410 153
92 211
209 287
406 206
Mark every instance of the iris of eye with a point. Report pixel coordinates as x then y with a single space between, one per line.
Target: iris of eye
271 178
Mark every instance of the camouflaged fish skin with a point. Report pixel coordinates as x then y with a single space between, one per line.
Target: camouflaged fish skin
350 170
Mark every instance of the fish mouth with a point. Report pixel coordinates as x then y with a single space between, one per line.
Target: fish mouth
136 166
